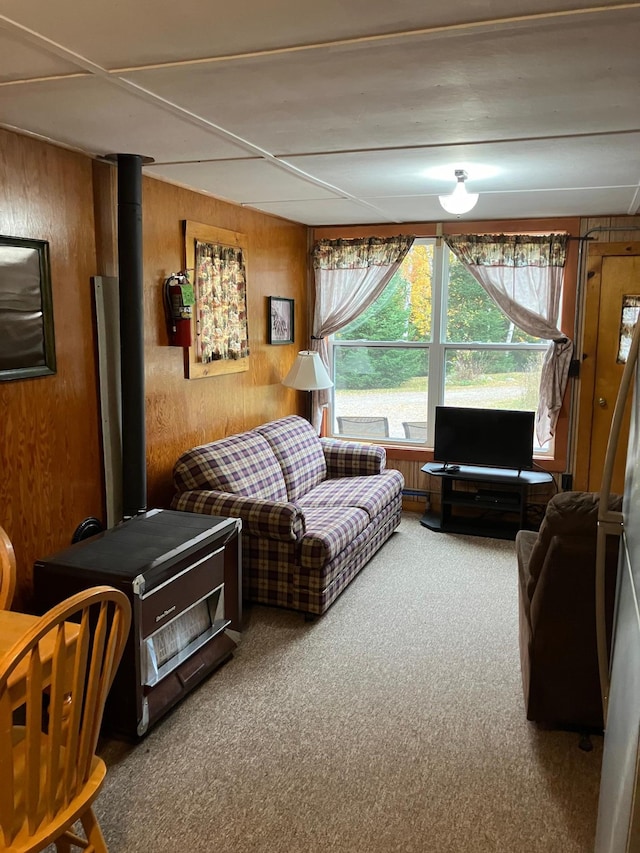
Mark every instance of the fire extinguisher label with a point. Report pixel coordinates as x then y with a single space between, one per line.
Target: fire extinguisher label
188 296
178 309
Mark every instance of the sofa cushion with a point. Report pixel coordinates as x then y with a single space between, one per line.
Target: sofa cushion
242 464
299 452
369 493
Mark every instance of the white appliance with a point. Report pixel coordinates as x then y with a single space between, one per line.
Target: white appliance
618 828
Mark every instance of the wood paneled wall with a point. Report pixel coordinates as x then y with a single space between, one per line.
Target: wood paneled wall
182 413
51 468
612 229
50 445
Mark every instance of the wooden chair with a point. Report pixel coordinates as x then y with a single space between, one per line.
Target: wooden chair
360 426
50 772
415 429
7 571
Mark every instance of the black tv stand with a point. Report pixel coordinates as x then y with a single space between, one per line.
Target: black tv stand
482 501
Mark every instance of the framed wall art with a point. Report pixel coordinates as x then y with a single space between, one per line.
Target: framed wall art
27 346
216 261
281 316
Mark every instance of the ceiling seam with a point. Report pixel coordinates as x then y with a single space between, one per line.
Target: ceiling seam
444 29
444 144
340 152
150 97
510 192
92 69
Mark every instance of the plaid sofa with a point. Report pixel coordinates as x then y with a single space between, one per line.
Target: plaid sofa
314 510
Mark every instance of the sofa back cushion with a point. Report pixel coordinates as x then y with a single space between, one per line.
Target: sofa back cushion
571 515
299 451
241 464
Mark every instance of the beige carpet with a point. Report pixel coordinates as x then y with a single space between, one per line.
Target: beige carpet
393 723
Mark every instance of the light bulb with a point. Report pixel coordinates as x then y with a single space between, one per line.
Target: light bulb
459 201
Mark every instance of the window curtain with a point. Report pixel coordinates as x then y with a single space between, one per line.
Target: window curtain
221 303
349 276
524 276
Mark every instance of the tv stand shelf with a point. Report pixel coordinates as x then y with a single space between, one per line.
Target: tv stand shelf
492 501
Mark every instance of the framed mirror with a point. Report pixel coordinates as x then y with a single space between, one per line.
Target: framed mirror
27 345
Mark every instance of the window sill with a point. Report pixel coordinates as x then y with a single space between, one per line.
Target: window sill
423 454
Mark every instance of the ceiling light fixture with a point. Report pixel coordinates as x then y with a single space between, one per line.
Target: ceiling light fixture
460 201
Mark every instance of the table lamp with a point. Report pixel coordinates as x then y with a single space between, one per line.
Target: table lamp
308 373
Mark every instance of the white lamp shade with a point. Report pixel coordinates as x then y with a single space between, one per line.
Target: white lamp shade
308 373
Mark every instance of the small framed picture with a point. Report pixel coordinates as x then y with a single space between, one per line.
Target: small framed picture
280 320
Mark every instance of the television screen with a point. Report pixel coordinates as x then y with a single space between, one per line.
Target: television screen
492 437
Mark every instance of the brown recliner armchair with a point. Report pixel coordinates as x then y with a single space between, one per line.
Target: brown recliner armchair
556 574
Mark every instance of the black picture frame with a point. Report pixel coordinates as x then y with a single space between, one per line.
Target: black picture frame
281 320
27 343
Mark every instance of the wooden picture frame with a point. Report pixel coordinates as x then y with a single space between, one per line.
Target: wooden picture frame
281 317
198 363
27 343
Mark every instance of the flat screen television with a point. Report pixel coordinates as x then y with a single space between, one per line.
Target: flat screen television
486 437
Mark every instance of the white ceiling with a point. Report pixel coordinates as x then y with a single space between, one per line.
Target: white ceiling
340 112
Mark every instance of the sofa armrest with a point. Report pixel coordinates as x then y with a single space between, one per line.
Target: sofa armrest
268 519
352 459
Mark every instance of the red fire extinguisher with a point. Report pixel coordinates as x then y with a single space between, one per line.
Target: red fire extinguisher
179 300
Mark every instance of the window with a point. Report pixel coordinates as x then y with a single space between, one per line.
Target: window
433 337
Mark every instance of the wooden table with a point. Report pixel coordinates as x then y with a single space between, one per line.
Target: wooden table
15 625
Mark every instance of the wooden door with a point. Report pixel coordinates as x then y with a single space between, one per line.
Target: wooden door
613 275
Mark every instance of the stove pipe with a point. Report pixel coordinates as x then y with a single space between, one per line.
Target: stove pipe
131 297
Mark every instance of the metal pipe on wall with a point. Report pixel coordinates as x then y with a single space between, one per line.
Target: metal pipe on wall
131 297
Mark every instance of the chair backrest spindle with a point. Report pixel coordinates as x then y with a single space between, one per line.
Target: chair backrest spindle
46 763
